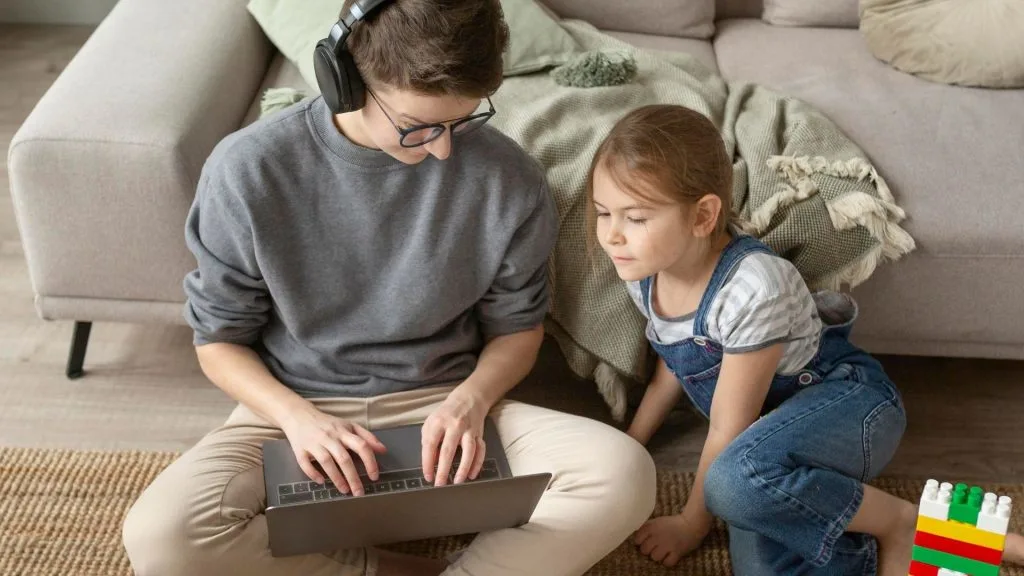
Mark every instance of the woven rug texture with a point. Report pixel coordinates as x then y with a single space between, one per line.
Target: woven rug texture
61 513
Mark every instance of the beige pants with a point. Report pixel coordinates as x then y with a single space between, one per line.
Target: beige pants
204 514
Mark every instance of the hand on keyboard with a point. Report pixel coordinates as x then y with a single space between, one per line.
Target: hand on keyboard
322 445
457 424
394 481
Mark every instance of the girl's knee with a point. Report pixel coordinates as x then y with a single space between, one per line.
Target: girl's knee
731 487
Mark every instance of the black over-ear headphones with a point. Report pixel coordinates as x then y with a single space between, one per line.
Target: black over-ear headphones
336 73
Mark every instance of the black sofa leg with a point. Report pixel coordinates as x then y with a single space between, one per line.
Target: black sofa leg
79 342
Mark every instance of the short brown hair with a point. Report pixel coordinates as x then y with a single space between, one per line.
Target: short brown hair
665 152
434 47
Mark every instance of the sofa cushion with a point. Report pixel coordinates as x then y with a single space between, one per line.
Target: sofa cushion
950 154
826 13
701 49
684 18
979 43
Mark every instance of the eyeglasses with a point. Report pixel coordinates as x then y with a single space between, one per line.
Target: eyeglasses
421 134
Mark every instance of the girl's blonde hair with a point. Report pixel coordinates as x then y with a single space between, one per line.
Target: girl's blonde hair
664 152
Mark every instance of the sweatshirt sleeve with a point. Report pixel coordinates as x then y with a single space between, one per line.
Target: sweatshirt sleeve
226 296
518 297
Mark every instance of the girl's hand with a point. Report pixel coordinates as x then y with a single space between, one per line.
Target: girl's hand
663 393
459 421
326 440
667 539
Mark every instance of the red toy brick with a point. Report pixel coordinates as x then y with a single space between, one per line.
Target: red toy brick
958 548
922 569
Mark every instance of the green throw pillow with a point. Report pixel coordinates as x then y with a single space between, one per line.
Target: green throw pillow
536 40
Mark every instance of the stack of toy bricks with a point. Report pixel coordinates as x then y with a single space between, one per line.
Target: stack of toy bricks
959 531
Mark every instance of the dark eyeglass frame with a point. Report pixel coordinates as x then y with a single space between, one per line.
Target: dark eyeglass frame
437 127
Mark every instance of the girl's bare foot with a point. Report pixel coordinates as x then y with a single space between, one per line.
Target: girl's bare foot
896 545
667 539
1013 551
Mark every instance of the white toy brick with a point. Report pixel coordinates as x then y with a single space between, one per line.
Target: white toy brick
995 514
935 500
947 572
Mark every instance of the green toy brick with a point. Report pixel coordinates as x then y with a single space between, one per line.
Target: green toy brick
956 563
966 506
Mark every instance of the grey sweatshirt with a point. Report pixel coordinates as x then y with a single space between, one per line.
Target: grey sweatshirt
353 274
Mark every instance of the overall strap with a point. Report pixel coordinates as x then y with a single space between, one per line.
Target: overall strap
739 247
645 293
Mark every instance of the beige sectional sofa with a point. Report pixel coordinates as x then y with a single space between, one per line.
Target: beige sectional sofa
104 169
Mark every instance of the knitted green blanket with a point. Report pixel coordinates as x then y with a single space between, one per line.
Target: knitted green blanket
800 184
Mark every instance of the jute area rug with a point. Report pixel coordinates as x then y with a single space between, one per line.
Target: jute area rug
61 513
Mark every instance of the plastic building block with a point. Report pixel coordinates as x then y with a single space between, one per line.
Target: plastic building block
958 548
966 505
962 532
935 500
922 569
995 514
951 562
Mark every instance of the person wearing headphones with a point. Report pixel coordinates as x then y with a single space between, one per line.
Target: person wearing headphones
374 257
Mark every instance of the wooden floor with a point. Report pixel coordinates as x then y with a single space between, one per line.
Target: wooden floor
144 389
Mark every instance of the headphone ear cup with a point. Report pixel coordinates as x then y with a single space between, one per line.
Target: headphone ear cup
328 77
353 89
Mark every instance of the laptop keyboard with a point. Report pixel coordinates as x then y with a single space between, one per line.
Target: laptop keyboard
391 481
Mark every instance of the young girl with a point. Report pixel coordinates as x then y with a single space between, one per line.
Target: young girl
800 418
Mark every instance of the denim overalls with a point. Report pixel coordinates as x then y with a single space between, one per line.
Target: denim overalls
790 484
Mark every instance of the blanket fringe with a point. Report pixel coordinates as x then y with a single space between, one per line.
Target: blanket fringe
789 195
613 389
879 216
858 208
798 170
853 274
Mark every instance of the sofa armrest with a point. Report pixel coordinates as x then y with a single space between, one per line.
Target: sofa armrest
104 169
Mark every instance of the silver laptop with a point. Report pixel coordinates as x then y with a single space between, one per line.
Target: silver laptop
304 517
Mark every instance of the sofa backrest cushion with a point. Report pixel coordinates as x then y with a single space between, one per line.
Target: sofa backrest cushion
682 18
819 13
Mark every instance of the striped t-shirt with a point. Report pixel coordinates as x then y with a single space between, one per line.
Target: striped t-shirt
764 301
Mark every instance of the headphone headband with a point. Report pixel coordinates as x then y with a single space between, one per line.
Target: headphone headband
356 12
